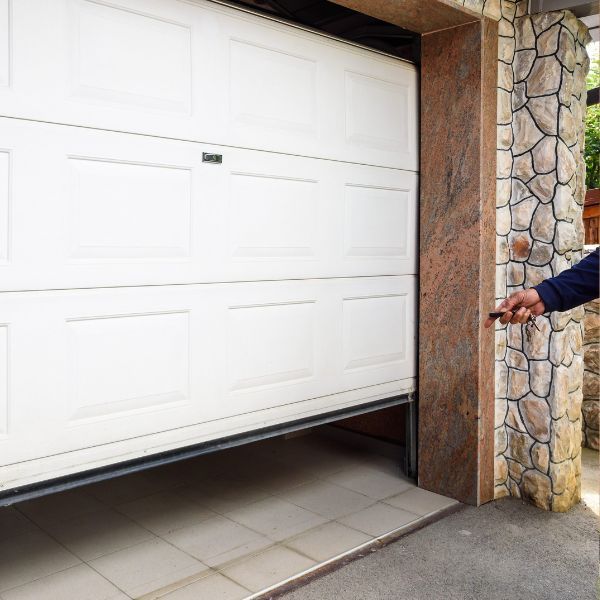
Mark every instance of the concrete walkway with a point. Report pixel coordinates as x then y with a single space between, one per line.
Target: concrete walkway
590 479
505 549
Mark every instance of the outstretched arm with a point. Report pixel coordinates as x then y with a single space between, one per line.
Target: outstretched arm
571 288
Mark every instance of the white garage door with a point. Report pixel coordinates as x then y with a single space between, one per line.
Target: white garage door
150 300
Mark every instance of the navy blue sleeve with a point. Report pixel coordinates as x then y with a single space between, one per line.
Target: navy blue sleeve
572 287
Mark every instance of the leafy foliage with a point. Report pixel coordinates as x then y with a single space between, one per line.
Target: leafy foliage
592 147
592 131
593 77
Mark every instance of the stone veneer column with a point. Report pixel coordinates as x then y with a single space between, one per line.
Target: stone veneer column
541 105
591 376
540 233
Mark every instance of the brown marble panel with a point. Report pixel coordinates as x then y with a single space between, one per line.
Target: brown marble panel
457 234
421 16
487 264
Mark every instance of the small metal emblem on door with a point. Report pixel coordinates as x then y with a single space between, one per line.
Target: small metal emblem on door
210 157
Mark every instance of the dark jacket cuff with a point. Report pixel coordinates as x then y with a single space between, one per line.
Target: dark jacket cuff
549 295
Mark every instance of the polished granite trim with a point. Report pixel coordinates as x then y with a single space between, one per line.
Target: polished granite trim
412 15
457 236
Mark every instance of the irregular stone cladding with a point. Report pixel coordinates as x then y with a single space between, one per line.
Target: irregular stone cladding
540 233
591 376
542 65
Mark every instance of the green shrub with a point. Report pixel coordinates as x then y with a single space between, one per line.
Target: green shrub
592 132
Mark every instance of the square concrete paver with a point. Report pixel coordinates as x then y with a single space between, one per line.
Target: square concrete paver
98 533
146 567
223 494
420 502
371 482
379 519
12 523
77 583
60 507
268 568
213 587
218 540
165 512
209 527
131 487
275 518
327 541
326 499
29 556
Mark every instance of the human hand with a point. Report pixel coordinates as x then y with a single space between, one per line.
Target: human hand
518 307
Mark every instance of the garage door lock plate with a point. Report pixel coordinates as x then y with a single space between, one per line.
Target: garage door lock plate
210 157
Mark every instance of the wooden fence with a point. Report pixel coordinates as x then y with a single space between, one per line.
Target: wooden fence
591 217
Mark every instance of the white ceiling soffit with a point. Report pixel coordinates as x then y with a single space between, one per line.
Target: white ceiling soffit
585 10
593 24
581 8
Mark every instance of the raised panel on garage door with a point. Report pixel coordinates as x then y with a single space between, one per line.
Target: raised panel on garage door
301 93
91 208
209 73
90 367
